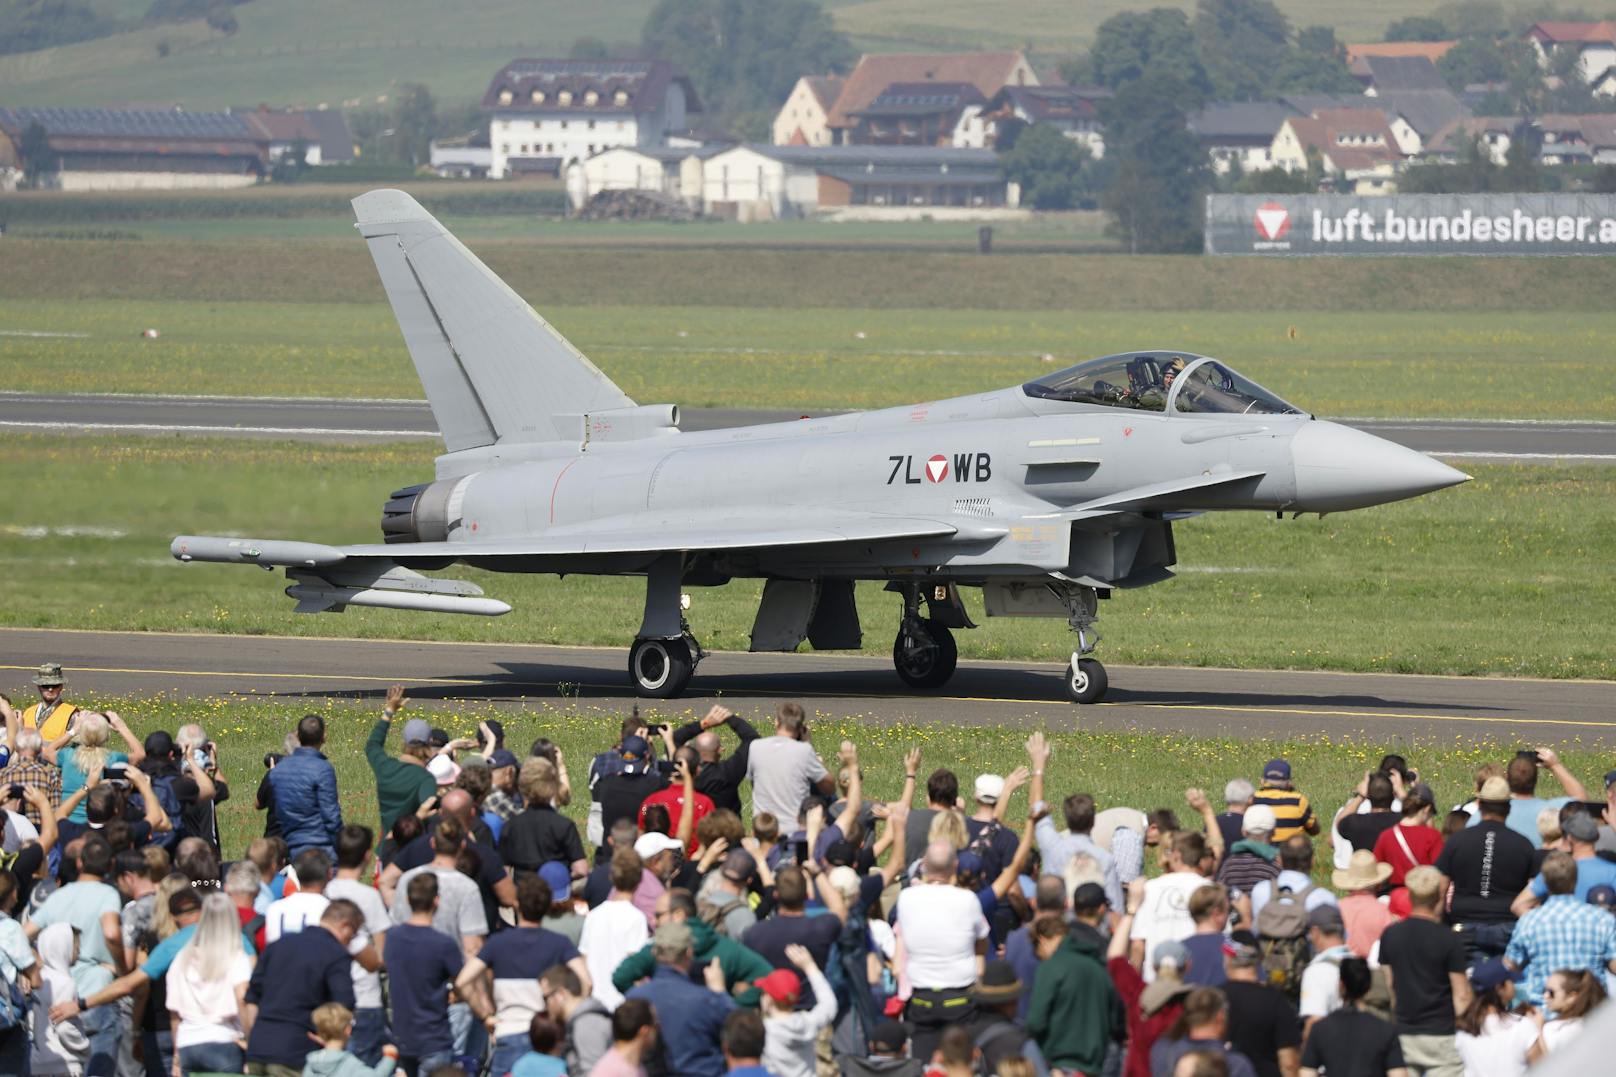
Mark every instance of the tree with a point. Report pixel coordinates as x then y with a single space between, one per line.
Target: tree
1320 39
1131 44
1237 41
34 149
415 121
745 55
1156 196
1417 28
1276 180
1304 71
1049 167
38 24
1521 171
1483 60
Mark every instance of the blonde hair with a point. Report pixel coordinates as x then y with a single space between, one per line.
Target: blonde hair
845 881
162 920
539 783
1081 868
948 826
1548 825
90 738
1424 886
331 1021
217 942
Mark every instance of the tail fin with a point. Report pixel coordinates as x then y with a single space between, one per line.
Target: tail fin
493 370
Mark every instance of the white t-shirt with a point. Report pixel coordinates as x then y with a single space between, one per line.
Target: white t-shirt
1561 1031
941 926
1165 913
19 832
1321 983
612 931
1500 1050
367 986
207 1009
782 771
292 914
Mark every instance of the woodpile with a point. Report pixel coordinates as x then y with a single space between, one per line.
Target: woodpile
634 206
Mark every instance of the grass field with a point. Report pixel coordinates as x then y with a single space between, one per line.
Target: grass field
310 52
1504 364
1495 577
1142 770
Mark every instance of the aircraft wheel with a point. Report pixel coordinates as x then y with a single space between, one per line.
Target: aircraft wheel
925 658
1086 682
660 668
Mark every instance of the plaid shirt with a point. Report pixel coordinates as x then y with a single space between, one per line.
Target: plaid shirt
504 805
1562 933
40 775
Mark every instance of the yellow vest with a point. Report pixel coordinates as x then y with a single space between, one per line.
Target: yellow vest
55 725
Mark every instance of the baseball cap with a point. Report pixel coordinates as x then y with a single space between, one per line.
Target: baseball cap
416 731
1610 778
1495 789
1090 896
1170 952
503 757
1580 826
989 788
1327 917
968 864
1276 770
840 853
634 748
1603 895
557 878
782 985
889 1037
1238 948
444 769
649 845
673 935
739 866
1258 817
1491 973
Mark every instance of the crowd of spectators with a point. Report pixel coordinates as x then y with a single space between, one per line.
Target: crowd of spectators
741 906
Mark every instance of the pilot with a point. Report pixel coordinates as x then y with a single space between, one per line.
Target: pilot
52 715
1174 368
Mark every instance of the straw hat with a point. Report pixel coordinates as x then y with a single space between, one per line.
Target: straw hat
1363 873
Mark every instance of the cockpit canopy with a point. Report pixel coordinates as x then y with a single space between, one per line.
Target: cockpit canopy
1159 381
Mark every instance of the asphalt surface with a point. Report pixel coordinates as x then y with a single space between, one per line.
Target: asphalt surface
316 419
1263 704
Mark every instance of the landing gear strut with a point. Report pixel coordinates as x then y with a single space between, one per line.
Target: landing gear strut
924 654
665 653
1086 681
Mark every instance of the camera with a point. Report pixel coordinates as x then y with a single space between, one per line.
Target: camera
116 772
271 758
654 729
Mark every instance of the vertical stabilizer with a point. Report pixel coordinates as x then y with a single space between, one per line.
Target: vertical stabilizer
493 370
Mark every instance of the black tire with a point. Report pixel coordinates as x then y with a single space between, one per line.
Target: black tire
926 663
1087 682
660 668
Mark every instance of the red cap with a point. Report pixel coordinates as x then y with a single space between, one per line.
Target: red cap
1400 906
782 985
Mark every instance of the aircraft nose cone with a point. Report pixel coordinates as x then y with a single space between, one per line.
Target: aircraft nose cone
1339 468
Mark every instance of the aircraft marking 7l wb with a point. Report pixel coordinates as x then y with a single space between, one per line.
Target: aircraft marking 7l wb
1047 496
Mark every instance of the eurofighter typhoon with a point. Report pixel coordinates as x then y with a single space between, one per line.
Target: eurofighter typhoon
1048 496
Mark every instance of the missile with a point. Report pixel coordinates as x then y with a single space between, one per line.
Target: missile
313 598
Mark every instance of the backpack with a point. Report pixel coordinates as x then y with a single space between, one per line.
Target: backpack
1282 940
715 914
163 789
982 846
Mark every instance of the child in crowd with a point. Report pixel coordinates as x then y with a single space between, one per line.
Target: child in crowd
333 1024
545 1059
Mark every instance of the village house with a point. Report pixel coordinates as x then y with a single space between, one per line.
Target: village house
1594 43
99 149
1072 110
803 120
1355 146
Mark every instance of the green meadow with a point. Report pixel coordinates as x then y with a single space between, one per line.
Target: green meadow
1493 577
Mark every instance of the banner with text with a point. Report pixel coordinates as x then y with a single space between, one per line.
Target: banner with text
1411 224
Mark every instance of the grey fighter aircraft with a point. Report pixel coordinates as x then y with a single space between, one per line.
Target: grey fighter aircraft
1047 496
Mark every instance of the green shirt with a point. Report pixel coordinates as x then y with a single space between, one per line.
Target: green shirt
400 787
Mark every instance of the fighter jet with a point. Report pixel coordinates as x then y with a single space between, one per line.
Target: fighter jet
1048 496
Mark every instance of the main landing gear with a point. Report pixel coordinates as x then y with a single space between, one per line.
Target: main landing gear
924 654
665 654
1086 681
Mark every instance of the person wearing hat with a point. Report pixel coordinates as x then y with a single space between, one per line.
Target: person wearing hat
1592 869
888 1054
995 1031
52 715
1076 1012
1602 897
691 1016
1263 1024
1364 915
1321 980
636 777
790 1034
1488 865
742 968
1151 1009
1564 932
1252 859
563 917
402 784
1292 812
999 844
504 801
1492 1037
1521 777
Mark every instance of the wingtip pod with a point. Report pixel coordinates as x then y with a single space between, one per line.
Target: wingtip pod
265 552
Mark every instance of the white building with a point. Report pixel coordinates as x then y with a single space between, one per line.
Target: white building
802 120
670 170
547 114
755 182
1073 110
1593 42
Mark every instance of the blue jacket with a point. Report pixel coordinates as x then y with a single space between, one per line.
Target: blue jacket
305 785
690 1018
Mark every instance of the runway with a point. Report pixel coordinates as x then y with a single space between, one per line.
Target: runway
1262 704
326 419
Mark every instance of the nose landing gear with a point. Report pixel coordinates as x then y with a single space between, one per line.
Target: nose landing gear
1086 681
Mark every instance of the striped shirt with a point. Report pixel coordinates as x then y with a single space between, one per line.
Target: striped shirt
1292 813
